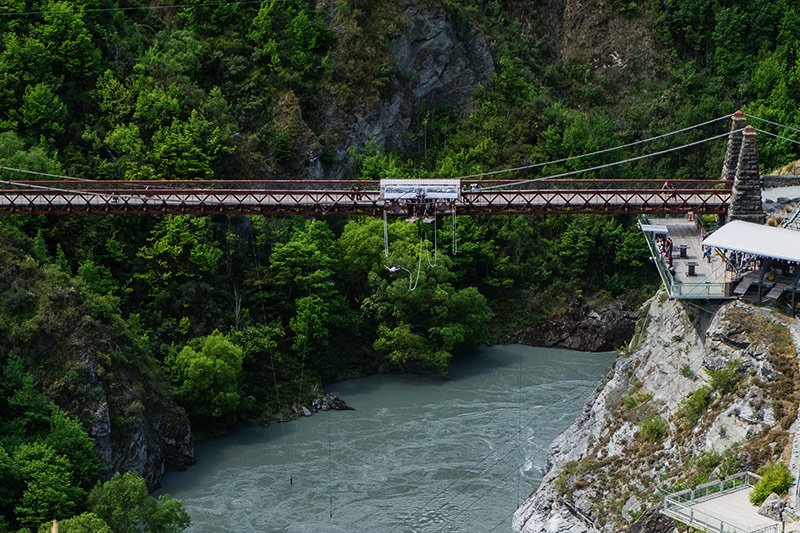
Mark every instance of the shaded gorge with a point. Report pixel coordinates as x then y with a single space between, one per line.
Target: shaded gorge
417 453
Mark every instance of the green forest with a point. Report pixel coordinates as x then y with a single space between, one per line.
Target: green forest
231 320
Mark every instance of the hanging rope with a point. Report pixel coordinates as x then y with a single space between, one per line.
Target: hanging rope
433 263
385 235
419 268
455 234
271 356
330 469
300 392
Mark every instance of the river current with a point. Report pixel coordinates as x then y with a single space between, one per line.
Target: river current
418 454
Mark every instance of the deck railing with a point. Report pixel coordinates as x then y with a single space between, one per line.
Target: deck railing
679 505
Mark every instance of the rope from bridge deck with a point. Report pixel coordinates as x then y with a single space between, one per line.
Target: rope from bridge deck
598 152
612 164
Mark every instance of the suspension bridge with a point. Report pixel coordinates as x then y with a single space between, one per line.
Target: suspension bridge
359 197
478 194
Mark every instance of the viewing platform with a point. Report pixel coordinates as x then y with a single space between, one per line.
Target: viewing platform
686 272
720 506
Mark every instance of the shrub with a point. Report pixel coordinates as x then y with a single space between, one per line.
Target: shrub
637 398
725 379
775 477
694 406
654 429
687 372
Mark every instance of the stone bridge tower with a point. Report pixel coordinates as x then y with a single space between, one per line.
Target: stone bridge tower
741 166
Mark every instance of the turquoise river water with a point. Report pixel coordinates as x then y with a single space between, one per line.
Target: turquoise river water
418 454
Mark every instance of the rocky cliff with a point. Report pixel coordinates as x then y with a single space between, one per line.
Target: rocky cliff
700 391
91 363
583 327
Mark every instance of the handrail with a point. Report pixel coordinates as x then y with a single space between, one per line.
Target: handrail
674 505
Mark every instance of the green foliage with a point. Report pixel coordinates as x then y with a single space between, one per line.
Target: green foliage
207 380
725 379
48 489
82 523
693 406
687 372
637 398
775 477
654 429
124 504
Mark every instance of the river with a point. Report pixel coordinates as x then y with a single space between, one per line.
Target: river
417 454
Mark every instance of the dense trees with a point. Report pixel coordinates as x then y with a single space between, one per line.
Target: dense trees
247 315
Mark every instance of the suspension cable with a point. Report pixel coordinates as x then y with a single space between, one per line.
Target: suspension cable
613 164
455 233
419 268
435 261
124 8
45 174
781 137
773 123
574 157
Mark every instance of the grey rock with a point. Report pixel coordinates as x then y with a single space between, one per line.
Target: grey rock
584 329
632 507
772 507
652 521
434 65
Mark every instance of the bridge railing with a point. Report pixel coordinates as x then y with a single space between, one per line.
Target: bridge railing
368 185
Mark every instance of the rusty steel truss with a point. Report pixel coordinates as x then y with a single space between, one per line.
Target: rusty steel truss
316 198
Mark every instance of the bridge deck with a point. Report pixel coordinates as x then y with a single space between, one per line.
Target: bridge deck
356 198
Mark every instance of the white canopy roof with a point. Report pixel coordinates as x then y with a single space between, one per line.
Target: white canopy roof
766 241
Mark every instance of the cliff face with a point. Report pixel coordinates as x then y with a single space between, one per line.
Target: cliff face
91 363
432 63
584 328
433 58
699 392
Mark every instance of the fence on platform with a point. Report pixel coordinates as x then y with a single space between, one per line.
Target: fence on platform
679 505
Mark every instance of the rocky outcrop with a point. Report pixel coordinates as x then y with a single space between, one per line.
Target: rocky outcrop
136 424
330 402
772 507
582 328
604 472
434 64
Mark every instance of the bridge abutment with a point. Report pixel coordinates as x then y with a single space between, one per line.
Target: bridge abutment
731 163
746 196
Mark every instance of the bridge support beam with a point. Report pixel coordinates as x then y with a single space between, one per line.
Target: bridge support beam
738 122
746 198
